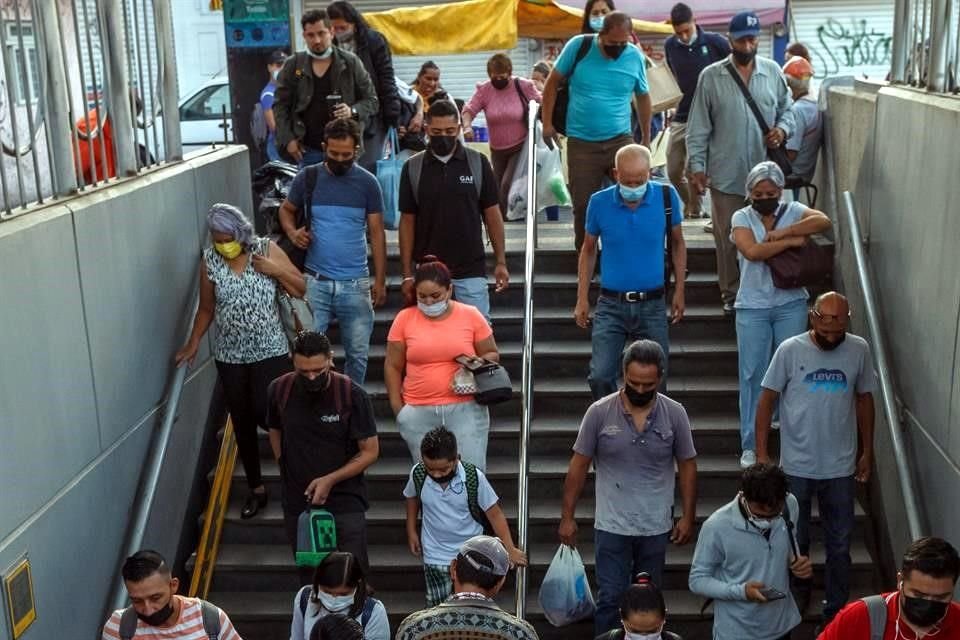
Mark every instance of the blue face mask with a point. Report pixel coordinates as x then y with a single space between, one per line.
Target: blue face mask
633 194
596 23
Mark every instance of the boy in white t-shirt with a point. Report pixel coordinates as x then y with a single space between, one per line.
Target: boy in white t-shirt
457 503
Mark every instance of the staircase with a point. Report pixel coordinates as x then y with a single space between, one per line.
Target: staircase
255 580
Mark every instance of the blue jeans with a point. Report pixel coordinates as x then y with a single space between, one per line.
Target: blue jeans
475 292
759 333
271 148
619 560
836 499
614 324
310 156
348 301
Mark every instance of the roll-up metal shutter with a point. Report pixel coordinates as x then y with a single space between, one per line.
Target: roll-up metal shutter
853 37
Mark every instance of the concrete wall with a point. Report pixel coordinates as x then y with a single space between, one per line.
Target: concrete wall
895 149
95 294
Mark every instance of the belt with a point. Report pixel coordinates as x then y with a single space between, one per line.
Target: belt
632 296
314 274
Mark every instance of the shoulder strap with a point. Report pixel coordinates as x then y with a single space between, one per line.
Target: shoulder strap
668 244
473 489
749 98
282 387
581 53
211 620
311 180
128 624
419 477
791 535
780 212
304 598
475 162
523 99
877 610
368 606
415 168
341 392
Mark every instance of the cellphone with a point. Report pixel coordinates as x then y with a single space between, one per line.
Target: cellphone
332 101
772 594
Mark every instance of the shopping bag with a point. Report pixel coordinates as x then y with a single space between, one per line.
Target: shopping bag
517 198
565 595
388 174
663 88
551 184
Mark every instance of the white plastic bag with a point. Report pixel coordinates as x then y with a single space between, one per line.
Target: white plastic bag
517 198
565 593
551 185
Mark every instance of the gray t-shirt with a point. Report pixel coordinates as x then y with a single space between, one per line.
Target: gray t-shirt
635 469
818 414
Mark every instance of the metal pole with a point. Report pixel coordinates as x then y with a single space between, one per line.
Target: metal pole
12 103
163 22
58 119
152 82
901 41
940 18
31 125
905 473
526 400
98 95
112 32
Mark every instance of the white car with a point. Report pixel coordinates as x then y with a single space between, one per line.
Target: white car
202 115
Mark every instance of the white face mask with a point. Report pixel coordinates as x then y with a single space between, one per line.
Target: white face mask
434 310
760 523
335 604
656 635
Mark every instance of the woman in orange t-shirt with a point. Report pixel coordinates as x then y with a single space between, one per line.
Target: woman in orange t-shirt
421 349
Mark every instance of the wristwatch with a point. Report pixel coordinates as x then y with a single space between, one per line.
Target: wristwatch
354 114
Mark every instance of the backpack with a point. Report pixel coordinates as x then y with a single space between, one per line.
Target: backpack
297 255
877 610
368 606
474 161
340 384
668 242
258 126
210 613
562 101
473 485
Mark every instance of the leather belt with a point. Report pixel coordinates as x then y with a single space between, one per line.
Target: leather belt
314 274
632 296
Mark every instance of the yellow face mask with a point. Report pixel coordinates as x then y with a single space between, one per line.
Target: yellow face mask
228 250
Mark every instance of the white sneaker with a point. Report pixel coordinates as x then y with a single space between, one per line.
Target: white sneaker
748 459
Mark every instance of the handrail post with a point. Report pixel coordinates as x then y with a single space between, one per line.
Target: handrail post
940 44
526 380
172 143
904 471
902 39
57 115
118 85
150 477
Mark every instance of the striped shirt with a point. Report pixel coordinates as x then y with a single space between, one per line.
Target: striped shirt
188 627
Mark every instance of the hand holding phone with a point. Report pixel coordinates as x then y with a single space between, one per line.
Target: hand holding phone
772 594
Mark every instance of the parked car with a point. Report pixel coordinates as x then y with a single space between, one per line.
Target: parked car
202 119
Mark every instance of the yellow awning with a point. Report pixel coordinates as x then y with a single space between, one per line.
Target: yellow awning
481 25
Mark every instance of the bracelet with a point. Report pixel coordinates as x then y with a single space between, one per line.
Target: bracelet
405 278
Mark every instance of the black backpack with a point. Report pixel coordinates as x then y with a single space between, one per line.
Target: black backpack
297 255
562 102
210 613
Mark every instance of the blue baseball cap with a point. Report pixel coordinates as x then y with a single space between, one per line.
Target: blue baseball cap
744 24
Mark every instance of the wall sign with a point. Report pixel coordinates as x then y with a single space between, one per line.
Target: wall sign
18 596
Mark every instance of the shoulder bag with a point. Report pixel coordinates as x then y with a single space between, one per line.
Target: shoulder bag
296 316
811 264
779 154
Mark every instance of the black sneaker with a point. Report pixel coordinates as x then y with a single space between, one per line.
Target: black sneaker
253 504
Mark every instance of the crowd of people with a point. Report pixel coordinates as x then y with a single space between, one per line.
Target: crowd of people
800 370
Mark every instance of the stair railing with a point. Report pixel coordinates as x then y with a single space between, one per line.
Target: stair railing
150 479
209 544
526 379
888 396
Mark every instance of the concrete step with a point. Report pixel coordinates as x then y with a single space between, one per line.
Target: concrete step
394 569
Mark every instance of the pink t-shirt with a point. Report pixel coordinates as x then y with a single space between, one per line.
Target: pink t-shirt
504 111
431 347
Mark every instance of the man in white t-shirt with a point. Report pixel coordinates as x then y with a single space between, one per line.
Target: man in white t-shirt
157 612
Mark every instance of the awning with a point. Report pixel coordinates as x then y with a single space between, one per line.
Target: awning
481 25
709 12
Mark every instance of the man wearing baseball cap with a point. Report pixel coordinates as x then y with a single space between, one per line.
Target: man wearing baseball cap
802 148
274 64
724 139
478 573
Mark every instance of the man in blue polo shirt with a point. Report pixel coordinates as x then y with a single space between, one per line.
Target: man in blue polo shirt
347 204
604 74
688 52
629 219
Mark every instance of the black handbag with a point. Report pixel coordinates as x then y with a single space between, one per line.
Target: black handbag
811 264
562 102
778 154
492 381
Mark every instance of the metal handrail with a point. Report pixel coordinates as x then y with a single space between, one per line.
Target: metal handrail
894 421
526 384
150 479
209 545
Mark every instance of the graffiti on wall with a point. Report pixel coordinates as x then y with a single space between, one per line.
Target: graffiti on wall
849 47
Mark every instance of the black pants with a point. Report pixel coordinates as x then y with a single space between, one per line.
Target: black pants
351 537
245 389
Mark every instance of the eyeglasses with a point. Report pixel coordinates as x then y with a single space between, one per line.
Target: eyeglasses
830 318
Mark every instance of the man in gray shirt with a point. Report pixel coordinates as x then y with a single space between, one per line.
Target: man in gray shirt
632 437
824 381
724 140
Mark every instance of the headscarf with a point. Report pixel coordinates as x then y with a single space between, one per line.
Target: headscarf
766 170
226 218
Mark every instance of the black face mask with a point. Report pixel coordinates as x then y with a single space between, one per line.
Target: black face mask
443 145
638 398
500 83
447 478
766 206
744 58
825 343
613 51
159 616
922 612
339 167
316 385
